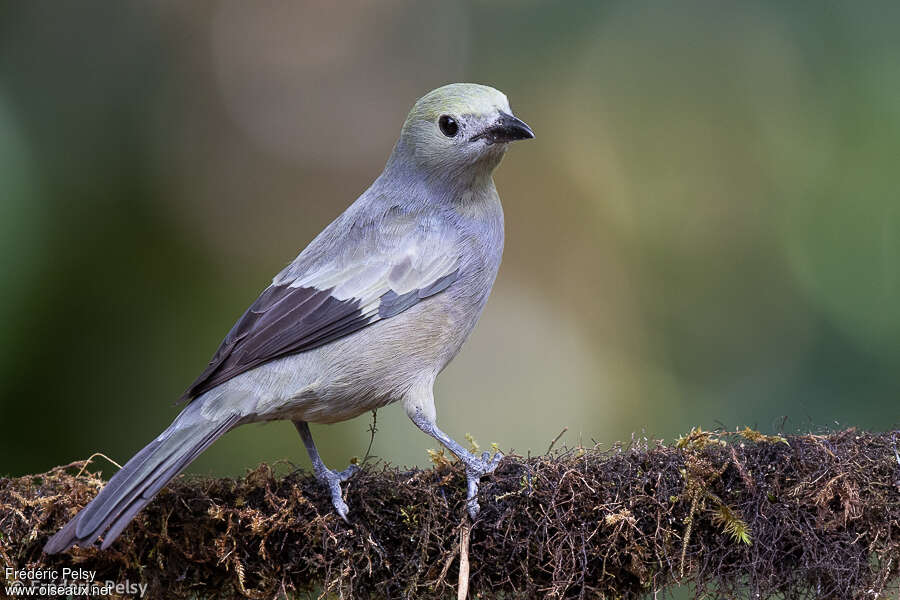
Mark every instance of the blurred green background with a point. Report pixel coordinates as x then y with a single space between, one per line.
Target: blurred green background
704 232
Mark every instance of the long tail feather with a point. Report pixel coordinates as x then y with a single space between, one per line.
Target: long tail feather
136 483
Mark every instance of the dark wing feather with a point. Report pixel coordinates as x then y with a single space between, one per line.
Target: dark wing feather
286 320
283 320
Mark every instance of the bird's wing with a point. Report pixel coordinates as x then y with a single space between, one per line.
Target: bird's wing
314 302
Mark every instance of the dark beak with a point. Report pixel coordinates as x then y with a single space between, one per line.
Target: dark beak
505 129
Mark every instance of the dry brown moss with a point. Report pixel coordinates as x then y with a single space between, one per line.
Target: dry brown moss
738 515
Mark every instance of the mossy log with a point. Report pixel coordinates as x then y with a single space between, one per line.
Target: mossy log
733 514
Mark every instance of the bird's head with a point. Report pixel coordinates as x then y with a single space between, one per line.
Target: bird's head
459 127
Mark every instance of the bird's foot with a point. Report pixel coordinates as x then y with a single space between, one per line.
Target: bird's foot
332 480
476 468
349 472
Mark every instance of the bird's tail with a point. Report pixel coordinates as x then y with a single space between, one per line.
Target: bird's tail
135 485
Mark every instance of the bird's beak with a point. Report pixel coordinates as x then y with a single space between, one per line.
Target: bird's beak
506 128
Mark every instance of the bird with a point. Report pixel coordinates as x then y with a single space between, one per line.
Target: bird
368 314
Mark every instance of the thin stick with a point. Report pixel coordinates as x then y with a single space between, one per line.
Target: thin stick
463 589
556 439
91 457
372 430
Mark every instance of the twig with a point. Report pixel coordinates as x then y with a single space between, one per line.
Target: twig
556 439
373 429
91 457
462 590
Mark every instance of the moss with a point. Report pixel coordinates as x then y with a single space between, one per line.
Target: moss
823 512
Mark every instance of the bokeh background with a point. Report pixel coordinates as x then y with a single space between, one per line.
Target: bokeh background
704 232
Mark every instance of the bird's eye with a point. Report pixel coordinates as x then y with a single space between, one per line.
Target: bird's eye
448 125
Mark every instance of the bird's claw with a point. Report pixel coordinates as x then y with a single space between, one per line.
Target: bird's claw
332 480
476 468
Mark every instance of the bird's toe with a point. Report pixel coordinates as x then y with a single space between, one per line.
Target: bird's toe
332 481
491 462
341 508
349 472
337 499
473 507
486 464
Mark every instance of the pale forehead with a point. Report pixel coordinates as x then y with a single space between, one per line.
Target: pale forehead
460 99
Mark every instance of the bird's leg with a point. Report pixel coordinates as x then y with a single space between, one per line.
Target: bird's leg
329 478
476 467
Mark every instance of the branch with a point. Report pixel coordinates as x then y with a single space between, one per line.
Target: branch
732 513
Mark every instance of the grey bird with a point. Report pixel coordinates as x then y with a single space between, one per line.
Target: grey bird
368 314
